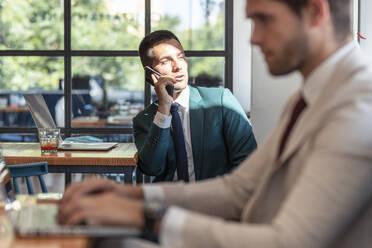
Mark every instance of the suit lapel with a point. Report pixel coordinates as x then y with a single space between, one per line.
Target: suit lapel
309 123
298 134
196 129
302 129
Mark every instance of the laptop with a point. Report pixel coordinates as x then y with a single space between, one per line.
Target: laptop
40 220
43 119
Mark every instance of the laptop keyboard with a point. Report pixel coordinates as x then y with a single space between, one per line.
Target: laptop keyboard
40 220
35 217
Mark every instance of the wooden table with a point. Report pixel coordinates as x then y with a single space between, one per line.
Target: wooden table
83 121
121 159
14 109
119 121
51 242
19 111
111 121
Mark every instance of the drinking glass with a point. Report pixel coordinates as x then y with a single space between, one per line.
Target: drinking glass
48 138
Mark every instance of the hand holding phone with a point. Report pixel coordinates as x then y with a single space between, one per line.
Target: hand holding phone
148 79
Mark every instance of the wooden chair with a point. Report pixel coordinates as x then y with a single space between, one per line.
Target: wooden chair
26 171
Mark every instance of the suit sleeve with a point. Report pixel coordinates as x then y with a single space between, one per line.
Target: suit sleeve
152 143
238 133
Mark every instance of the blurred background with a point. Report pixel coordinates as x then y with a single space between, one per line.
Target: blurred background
94 44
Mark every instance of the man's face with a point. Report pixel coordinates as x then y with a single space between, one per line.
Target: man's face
169 59
280 34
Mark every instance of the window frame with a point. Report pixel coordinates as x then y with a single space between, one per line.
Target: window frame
67 53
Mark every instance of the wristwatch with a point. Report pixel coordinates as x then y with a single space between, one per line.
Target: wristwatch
153 211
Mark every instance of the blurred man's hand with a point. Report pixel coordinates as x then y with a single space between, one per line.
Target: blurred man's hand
97 186
102 209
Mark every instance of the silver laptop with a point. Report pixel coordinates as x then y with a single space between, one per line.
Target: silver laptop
43 119
40 220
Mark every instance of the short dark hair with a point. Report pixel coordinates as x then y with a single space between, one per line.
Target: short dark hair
340 12
151 40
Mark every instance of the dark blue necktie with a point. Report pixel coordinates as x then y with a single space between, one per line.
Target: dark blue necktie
179 144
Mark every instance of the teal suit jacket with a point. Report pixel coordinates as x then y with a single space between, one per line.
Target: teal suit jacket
221 136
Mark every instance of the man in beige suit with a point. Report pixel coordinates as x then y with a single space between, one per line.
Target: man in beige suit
309 184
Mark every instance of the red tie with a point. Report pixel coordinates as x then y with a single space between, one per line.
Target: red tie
298 108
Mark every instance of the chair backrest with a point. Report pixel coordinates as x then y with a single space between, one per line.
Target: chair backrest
27 170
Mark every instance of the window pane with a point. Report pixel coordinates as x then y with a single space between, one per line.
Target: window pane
107 24
207 71
33 72
199 24
111 91
20 75
31 24
366 27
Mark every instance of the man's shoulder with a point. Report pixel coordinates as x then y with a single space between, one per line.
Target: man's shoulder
208 90
356 63
208 93
354 74
349 85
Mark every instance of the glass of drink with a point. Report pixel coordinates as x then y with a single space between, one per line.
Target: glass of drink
48 138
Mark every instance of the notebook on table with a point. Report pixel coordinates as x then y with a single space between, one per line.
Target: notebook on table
40 220
43 119
96 146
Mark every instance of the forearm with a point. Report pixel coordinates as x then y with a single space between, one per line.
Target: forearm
135 192
210 197
242 148
198 230
152 149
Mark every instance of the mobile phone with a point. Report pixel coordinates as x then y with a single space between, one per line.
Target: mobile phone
148 79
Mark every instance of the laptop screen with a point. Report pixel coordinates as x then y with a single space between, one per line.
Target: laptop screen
39 111
43 119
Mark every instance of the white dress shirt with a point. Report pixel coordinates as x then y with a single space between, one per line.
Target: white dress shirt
174 219
164 121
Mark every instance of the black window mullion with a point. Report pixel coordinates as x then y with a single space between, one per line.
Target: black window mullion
99 53
67 60
147 94
102 130
229 8
16 130
210 53
47 53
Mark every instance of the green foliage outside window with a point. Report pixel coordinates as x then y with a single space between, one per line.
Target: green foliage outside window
38 25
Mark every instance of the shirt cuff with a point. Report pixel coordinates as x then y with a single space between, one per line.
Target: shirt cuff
172 226
153 193
162 121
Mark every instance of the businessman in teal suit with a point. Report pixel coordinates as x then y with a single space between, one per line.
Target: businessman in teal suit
217 133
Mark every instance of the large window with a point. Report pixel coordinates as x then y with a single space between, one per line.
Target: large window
81 55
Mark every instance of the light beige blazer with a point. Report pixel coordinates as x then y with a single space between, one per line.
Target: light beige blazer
319 194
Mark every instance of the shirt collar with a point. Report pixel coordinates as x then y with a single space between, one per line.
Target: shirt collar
317 80
183 98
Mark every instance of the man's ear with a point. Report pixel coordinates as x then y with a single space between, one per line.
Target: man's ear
318 11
